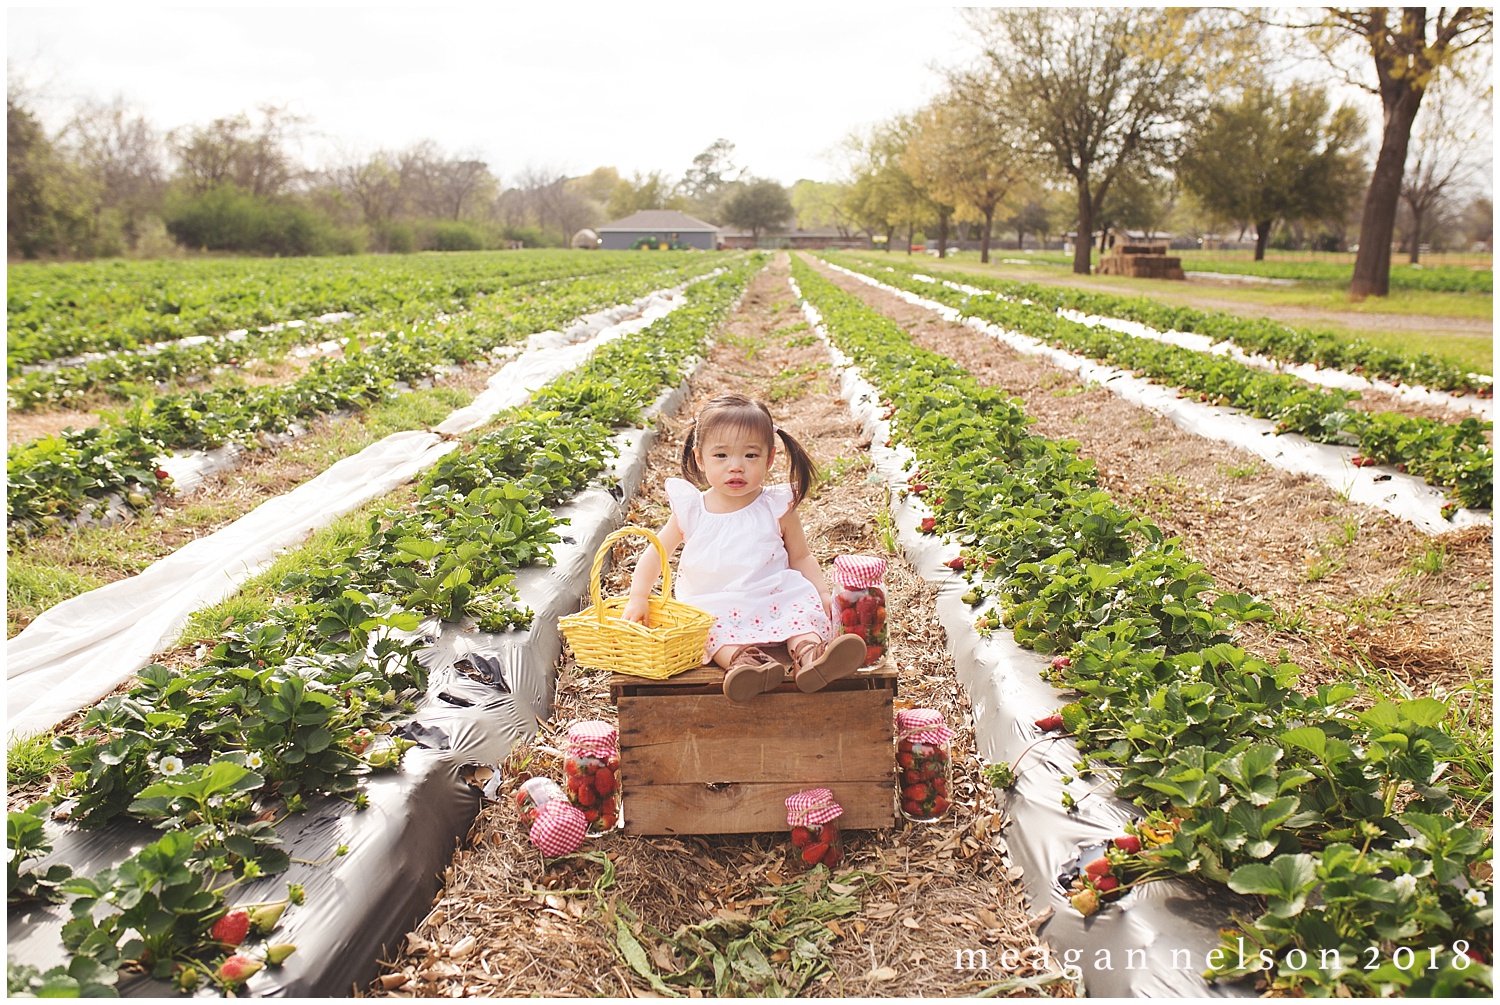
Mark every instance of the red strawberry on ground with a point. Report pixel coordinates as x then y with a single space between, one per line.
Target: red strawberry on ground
1061 663
232 928
1128 843
238 969
1050 722
956 564
929 524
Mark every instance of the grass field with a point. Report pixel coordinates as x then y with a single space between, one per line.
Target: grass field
1455 325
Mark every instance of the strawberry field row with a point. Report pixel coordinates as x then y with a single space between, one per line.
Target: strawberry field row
1270 338
1341 816
58 477
119 373
1453 456
54 311
302 701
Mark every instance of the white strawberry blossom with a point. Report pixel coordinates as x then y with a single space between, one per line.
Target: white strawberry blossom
1475 897
1405 882
170 765
253 760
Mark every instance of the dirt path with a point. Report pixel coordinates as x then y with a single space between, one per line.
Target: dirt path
1354 587
940 886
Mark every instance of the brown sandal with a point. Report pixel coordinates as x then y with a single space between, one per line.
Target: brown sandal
819 664
752 672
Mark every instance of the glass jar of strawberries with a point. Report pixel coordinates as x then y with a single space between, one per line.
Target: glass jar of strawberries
535 793
812 815
859 605
591 765
924 764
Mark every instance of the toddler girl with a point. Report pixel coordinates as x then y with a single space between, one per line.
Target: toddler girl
746 559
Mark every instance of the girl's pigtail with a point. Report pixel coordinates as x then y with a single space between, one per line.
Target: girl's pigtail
804 472
690 469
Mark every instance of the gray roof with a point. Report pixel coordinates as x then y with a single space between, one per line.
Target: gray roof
658 220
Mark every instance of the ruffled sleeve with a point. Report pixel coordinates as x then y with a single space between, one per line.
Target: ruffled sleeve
778 498
687 503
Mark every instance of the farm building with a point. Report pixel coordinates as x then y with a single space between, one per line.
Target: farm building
667 226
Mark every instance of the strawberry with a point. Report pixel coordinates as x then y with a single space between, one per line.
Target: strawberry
867 606
591 815
604 781
238 969
1098 867
1128 843
232 928
918 488
1061 663
916 793
585 796
849 617
162 474
904 759
940 785
834 856
814 853
940 805
1085 902
276 955
264 918
911 808
1106 884
801 837
857 630
873 653
929 524
1050 722
956 564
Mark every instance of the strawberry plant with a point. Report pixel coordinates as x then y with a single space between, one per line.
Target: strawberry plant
1243 777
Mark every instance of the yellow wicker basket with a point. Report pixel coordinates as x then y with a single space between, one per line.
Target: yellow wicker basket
603 640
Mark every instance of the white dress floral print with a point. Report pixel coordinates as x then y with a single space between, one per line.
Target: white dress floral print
735 567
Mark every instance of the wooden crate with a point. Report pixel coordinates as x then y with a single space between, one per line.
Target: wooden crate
694 762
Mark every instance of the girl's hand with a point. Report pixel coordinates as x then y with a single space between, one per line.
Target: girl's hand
637 611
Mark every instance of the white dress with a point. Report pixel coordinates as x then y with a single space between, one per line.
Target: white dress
735 566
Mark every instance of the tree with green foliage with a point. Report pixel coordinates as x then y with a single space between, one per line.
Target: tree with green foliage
758 205
45 211
1268 155
1409 47
820 204
653 190
965 155
1098 89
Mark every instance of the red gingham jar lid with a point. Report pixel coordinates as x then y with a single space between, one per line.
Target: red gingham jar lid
811 806
559 828
593 738
858 572
922 725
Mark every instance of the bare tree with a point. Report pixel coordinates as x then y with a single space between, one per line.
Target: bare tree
373 185
1097 89
1448 148
121 153
1408 48
237 151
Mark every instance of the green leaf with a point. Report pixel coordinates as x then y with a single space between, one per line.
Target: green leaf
1285 882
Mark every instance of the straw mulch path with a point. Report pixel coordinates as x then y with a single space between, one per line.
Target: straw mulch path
509 923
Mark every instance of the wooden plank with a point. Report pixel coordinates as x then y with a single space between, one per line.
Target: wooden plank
785 737
707 679
744 808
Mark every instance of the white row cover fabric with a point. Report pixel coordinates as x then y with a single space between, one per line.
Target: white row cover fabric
1324 376
82 648
1401 495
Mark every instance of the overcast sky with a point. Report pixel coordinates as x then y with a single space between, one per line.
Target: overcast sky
636 86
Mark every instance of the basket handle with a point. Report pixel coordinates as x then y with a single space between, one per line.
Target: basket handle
666 568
